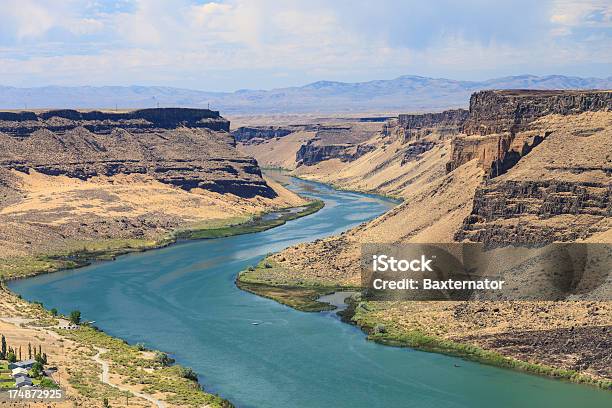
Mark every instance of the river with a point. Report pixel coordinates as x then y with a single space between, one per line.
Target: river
182 299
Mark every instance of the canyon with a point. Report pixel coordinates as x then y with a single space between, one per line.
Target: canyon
69 178
520 167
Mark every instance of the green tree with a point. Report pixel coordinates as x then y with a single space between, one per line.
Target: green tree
29 351
36 370
3 349
54 312
75 317
189 374
11 357
105 403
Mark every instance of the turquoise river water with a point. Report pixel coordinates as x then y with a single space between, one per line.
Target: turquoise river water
182 299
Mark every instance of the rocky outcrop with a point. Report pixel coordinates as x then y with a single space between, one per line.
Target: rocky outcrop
419 133
555 188
343 142
415 150
312 153
188 148
494 112
258 134
522 212
23 124
496 129
418 126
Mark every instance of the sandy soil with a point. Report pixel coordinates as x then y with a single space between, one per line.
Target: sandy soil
53 209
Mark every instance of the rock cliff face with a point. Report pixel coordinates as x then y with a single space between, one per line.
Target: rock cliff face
496 131
446 123
25 123
188 148
312 153
523 212
559 190
258 134
344 142
509 111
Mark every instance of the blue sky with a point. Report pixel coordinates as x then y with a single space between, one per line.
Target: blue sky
234 44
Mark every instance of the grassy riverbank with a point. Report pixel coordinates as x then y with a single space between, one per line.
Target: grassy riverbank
302 297
256 224
359 313
82 253
262 280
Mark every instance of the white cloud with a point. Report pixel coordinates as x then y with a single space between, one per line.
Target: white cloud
260 43
570 14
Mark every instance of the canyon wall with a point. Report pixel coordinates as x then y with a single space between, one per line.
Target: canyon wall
188 148
419 125
495 130
546 155
143 120
258 134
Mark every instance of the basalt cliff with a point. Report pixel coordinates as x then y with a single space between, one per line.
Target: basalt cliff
546 156
519 168
309 143
188 148
68 175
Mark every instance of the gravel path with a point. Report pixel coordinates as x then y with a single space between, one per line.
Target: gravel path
105 378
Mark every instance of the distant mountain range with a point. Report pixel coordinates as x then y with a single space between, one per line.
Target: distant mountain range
404 94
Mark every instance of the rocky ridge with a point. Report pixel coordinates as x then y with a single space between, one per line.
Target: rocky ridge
535 191
494 130
187 148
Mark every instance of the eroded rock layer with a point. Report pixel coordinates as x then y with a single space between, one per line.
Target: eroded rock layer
188 148
559 191
496 129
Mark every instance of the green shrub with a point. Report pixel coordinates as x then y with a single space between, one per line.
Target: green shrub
163 359
75 317
189 374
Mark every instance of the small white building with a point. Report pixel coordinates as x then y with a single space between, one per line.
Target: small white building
19 372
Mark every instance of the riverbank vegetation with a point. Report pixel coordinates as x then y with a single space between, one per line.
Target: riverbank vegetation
389 333
142 369
82 253
254 224
302 296
265 280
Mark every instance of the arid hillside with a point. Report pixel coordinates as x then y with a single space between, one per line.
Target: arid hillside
77 186
69 179
308 143
520 167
